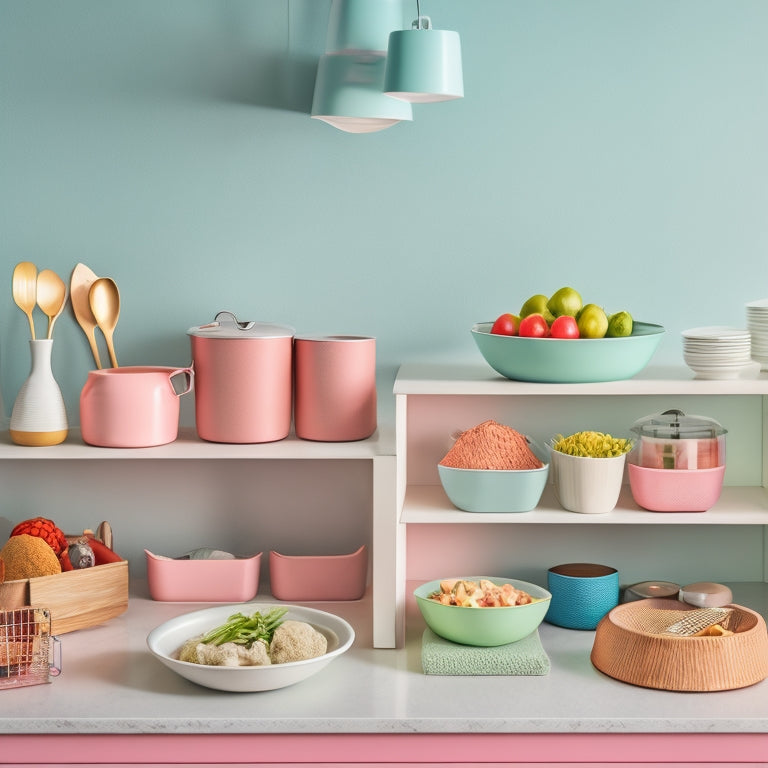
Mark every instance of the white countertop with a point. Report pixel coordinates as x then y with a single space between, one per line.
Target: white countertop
111 684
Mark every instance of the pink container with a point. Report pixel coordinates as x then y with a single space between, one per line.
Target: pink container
203 581
323 577
676 490
243 380
335 388
133 407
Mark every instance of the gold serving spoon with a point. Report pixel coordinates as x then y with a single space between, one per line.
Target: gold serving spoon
104 299
51 296
25 290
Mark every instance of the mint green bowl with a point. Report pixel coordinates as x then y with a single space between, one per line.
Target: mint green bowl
485 627
496 490
568 361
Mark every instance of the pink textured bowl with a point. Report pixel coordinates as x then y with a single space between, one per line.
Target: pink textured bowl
322 577
203 581
676 490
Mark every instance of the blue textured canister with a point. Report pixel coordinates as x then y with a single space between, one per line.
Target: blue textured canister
582 593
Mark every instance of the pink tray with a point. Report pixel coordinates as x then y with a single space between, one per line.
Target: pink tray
203 581
318 577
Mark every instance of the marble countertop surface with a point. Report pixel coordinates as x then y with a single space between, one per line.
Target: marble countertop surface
110 683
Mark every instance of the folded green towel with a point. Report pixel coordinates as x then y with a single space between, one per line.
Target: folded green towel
442 657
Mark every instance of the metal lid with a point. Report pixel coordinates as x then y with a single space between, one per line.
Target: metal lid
227 326
675 425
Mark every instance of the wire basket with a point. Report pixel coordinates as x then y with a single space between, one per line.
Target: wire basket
29 653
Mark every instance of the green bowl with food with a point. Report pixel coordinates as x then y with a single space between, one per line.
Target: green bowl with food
475 622
548 359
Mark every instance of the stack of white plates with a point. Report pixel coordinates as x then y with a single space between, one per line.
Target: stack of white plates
717 352
757 324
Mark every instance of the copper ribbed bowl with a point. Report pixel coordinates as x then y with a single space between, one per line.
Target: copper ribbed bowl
629 646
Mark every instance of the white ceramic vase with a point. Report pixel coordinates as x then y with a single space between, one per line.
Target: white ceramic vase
39 416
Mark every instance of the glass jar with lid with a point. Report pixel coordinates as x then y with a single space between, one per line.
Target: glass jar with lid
674 440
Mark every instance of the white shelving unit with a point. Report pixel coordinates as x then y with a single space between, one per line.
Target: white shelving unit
78 466
432 401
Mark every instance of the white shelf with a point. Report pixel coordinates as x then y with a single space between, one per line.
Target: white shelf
189 447
449 379
736 506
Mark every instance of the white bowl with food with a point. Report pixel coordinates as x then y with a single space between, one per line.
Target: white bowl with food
166 642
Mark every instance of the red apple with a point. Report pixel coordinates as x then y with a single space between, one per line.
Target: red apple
534 325
506 325
564 327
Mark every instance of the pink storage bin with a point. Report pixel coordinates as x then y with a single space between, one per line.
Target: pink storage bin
676 490
318 577
203 581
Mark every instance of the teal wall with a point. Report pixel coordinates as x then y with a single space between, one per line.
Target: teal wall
617 146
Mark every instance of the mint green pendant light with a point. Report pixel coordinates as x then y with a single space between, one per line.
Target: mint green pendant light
424 64
349 87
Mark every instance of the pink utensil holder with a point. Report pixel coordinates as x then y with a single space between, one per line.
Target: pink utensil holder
335 387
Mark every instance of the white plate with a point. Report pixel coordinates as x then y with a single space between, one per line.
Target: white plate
166 640
726 372
716 332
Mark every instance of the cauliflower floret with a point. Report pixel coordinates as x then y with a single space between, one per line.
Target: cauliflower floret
296 641
224 655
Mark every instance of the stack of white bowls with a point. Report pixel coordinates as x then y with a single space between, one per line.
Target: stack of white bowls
717 352
757 324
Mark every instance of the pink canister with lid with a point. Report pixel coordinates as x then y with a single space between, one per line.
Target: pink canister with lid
243 380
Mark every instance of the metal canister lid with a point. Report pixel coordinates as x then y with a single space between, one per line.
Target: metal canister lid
226 326
675 425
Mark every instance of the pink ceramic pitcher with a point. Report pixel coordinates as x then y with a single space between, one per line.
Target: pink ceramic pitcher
132 407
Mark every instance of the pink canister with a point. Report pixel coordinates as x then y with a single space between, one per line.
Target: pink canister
335 387
243 380
134 406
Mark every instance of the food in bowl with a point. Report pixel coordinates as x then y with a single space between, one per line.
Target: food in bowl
491 445
563 315
483 626
255 640
596 445
165 640
482 594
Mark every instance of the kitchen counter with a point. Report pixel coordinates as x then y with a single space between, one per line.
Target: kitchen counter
111 684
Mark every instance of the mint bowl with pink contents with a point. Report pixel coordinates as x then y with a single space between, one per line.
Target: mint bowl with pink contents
477 474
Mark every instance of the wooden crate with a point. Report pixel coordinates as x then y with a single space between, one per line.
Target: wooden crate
75 599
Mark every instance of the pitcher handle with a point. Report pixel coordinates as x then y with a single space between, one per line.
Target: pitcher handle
189 376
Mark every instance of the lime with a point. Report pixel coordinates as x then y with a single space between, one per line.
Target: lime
565 301
536 305
619 324
593 322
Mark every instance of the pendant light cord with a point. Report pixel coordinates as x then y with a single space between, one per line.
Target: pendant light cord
418 16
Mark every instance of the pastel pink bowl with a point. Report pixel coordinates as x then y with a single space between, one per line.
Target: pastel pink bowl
676 490
322 577
203 581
